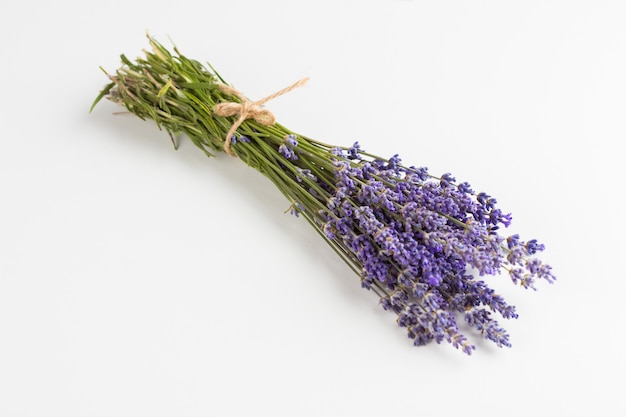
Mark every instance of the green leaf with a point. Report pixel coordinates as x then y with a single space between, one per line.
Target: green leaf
198 86
103 93
164 89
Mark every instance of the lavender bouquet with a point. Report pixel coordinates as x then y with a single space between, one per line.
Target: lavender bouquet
420 242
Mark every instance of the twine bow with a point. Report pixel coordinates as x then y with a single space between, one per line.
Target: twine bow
248 109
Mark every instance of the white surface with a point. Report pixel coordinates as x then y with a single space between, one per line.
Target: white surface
139 281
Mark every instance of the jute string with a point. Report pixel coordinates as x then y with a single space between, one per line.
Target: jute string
248 109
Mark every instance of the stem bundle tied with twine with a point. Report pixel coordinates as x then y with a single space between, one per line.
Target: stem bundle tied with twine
421 243
247 109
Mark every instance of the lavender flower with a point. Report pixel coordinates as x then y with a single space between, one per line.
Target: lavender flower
418 237
421 243
287 148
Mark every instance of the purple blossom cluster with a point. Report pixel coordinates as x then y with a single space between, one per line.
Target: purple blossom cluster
286 148
421 241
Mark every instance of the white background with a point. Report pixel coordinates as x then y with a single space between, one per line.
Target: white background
140 281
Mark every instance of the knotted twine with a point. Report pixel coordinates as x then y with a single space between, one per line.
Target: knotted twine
248 109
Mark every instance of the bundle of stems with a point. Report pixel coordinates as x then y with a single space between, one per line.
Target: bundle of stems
420 242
